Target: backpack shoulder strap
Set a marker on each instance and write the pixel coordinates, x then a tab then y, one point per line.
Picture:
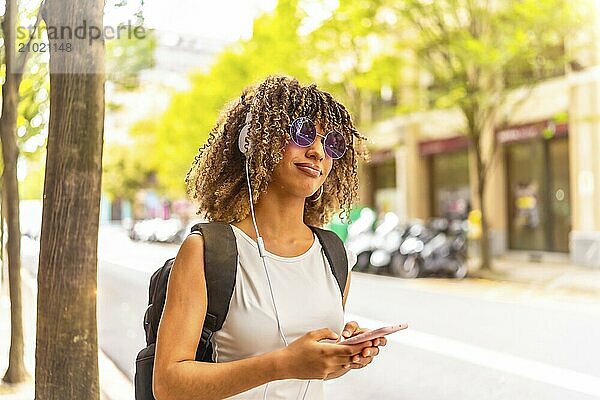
220	267
335	253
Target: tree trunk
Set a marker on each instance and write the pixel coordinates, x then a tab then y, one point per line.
67	345
484	244
481	133
2	202
8	134
486	148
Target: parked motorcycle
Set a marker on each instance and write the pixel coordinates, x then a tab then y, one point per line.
386	240
438	248
359	239
410	238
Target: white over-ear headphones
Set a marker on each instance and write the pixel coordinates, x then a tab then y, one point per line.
245	149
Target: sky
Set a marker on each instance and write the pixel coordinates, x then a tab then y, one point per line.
222	20
225	21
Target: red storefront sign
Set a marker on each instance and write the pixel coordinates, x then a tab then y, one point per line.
523	132
517	133
446	145
380	156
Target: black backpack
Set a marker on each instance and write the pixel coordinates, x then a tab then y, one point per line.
220	261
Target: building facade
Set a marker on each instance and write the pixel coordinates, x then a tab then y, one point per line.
543	187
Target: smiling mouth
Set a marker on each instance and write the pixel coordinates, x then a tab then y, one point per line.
309	171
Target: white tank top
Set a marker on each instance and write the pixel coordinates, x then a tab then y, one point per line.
307	296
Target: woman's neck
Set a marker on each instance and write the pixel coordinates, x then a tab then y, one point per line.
278	218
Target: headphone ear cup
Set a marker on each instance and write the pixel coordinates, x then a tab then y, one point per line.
244	134
242	140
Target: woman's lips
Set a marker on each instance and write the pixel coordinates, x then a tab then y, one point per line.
308	171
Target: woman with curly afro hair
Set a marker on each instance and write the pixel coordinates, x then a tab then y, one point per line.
281	159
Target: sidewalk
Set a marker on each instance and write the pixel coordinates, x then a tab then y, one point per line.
114	384
554	275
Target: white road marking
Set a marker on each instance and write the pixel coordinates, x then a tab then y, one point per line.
535	370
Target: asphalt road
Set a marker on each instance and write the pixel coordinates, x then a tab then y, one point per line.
466	340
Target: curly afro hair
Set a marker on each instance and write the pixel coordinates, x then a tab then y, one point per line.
217	177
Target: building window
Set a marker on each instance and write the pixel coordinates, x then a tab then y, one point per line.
384	191
539	212
384	174
450	189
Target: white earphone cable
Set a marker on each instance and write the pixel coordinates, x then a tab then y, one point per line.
261	251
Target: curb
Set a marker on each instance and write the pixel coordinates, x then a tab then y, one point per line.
114	384
564	278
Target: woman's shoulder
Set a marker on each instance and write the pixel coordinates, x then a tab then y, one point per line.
191	252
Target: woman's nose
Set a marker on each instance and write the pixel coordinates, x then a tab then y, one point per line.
316	149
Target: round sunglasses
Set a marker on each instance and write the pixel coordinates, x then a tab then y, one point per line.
304	132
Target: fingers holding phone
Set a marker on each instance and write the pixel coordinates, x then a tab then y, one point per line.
309	357
376	337
371	335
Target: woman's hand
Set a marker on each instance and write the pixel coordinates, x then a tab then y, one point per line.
366	357
308	358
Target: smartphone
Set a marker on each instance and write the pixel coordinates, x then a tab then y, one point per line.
369	335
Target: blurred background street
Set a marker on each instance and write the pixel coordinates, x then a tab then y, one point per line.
468	339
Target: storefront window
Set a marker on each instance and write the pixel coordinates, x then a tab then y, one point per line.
559	194
451	192
538	195
385	191
385	174
526	205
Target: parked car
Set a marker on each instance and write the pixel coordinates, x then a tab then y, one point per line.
156	230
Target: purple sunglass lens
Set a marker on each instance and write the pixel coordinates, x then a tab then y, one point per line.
335	145
303	132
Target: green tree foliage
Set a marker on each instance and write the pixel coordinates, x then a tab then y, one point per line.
33	109
475	51
355	54
127	168
32	187
123	172
33	105
339	55
127	55
275	47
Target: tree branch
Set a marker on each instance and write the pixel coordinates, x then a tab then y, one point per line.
22	57
503	95
436	42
